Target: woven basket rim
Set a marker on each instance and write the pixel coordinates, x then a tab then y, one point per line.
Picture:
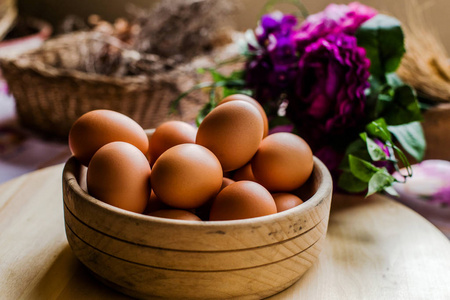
27	61
50	71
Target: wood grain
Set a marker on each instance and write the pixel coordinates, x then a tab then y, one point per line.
246	283
194	260
239	235
435	126
151	257
375	249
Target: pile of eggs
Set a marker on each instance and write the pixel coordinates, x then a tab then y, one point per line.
227	169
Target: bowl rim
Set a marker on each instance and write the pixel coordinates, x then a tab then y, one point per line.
73	168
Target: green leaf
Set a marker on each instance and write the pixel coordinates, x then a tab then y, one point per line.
227	91
383	103
404	161
404	108
350	183
393	80
269	6
411	138
379	129
217	76
362	169
279	121
201	70
176	102
375	151
383	39
207	108
237	75
379	182
203	112
391	191
356	148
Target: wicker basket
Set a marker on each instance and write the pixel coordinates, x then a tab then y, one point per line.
51	92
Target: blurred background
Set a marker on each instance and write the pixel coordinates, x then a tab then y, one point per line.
435	12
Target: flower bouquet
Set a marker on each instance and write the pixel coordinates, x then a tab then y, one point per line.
331	80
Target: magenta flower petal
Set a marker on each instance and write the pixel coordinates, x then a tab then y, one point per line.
330	87
430	182
333	19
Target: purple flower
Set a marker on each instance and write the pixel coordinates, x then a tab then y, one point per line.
281	128
331	158
383	147
442	196
324	81
275	23
273	67
333	19
267	80
281	50
330	88
430	182
386	164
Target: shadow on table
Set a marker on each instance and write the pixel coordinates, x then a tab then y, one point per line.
68	279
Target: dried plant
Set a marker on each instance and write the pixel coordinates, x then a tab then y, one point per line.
170	34
184	28
425	65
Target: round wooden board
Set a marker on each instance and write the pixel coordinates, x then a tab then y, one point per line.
376	248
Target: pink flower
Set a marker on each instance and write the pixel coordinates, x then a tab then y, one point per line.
330	90
331	158
335	18
441	196
386	164
429	182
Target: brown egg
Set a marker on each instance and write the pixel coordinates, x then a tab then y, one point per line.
233	132
154	204
203	211
284	162
176	214
242	200
244	173
226	182
186	176
170	134
119	174
100	127
285	201
253	102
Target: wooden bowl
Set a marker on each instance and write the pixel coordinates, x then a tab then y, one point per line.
150	257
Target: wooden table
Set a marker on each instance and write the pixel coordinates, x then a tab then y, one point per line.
375	249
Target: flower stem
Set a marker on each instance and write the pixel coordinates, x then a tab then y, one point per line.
297	3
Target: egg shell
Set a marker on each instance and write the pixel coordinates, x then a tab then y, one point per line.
242	200
170	134
97	128
203	211
285	201
119	174
226	182
176	214
254	103
283	162
154	204
244	173
186	176
233	132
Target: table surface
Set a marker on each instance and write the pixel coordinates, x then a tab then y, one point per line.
376	248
